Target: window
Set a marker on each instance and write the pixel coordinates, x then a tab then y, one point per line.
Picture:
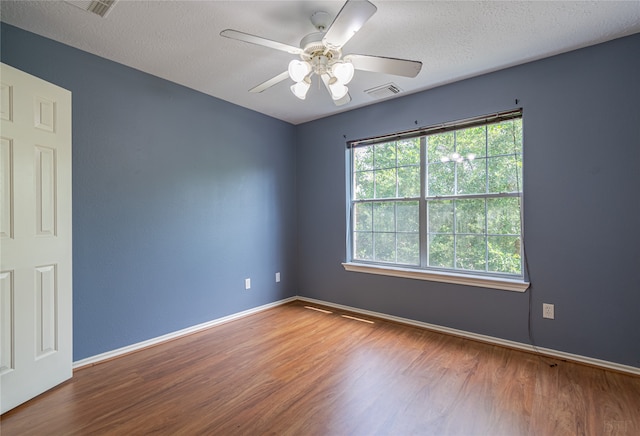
443	200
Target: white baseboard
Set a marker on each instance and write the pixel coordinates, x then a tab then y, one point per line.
174	335
447	330
484	338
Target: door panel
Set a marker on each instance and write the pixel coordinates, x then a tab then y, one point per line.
35	237
6	320
45	166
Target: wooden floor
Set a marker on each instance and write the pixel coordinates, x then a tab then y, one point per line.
292	370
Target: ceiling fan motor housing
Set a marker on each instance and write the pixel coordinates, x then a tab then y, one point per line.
315	52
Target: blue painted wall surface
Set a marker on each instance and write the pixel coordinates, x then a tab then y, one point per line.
582	204
177	198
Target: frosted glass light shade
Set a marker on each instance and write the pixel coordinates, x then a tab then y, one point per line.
338	90
343	71
301	88
298	70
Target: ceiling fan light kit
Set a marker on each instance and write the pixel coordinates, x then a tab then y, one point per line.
321	54
343	71
301	88
337	89
298	70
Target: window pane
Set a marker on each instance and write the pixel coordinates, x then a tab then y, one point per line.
503	216
470	216
363	246
472	177
409	181
409	152
384	217
441	251
465	228
440	147
504	174
470	252
408	216
440	216
517	128
441	179
385	155
384	247
363	185
363	217
504	254
363	158
386	183
409	248
471	141
501	139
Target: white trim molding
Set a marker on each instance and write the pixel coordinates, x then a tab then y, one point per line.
501	283
484	338
175	335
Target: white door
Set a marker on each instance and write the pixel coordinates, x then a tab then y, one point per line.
35	237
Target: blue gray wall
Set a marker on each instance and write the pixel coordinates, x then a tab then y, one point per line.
581	204
177	198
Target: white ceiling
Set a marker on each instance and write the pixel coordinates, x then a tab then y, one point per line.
179	41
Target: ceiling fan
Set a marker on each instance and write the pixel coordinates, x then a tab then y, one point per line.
321	54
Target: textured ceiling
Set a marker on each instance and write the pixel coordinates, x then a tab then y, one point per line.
180	41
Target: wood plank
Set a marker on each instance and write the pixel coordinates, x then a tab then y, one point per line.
291	370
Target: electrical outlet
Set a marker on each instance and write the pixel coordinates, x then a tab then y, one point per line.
277	277
547	311
247	283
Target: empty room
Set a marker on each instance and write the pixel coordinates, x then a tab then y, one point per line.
313	217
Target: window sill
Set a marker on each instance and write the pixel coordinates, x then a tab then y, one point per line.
444	277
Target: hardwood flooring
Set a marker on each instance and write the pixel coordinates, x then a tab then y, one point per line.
293	370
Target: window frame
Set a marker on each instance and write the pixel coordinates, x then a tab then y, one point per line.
422	271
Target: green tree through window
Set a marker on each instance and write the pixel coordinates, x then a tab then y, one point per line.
446	198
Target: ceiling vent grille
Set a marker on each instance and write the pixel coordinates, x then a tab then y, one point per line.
388	90
98	7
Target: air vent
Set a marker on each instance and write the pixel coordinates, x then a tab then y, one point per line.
98	7
388	90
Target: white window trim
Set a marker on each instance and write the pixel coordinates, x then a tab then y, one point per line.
500	283
424	272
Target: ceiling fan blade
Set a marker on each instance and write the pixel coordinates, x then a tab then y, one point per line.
379	64
344	100
246	37
349	20
269	83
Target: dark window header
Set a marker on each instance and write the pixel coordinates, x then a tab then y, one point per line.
439	128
